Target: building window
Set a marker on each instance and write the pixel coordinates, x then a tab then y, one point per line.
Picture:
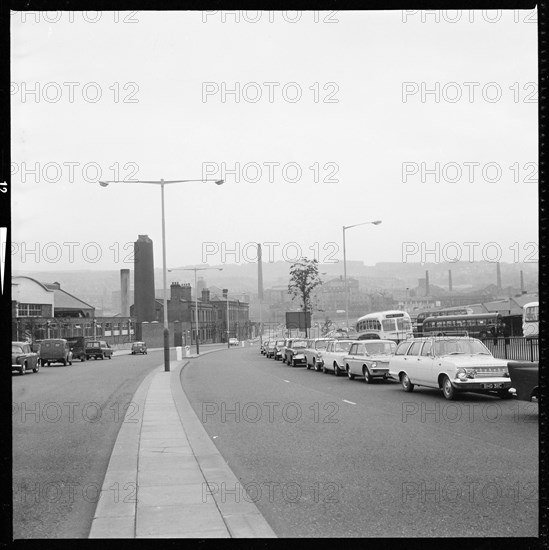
29	310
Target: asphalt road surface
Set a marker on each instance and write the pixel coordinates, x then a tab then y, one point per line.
330	457
65	423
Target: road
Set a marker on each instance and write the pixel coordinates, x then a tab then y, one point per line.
329	457
62	449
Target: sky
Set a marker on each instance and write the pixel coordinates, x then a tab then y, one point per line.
334	119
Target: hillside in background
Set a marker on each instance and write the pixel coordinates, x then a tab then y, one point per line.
97	287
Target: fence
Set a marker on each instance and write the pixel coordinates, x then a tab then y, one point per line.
516	348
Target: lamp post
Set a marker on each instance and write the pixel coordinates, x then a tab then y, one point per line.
195	269
345	227
162	183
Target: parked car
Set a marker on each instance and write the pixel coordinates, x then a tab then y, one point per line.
294	352
263	346
369	336
233	342
139	347
333	357
270	351
279	348
98	349
23	358
525	379
452	364
369	358
282	348
55	350
313	352
78	347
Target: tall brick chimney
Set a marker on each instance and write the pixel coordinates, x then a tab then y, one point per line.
125	292
143	273
205	295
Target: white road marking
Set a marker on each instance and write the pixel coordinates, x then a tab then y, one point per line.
285	380
350	402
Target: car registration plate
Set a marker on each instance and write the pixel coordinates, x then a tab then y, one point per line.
492	386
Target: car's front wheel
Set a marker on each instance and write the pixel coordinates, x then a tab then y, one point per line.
350	375
37	367
406	383
336	370
23	369
368	378
447	389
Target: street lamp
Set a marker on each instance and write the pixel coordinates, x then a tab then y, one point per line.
345	227
195	269
162	183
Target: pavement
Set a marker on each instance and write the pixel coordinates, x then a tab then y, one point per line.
165	477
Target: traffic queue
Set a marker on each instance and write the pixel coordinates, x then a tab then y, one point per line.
452	364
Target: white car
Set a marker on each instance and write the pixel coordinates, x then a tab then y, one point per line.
333	357
314	350
233	342
459	364
370	359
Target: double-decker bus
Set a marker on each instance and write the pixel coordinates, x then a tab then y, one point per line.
388	325
437	313
530	320
475	325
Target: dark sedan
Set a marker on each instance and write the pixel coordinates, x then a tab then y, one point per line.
294	354
525	379
23	358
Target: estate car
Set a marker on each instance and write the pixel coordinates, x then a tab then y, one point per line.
454	365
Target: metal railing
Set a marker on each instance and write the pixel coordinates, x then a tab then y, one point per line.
516	348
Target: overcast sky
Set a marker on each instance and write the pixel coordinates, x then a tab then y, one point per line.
361	123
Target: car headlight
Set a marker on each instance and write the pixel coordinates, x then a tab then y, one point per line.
373	365
461	374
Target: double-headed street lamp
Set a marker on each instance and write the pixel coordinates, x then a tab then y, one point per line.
195	269
345	227
162	183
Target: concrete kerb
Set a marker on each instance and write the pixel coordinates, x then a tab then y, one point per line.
114	515
118	516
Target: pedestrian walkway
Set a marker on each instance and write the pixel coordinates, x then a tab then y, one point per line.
164	474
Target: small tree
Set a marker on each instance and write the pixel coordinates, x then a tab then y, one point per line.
304	278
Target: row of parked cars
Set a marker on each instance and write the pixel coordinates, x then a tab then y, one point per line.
451	364
30	357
